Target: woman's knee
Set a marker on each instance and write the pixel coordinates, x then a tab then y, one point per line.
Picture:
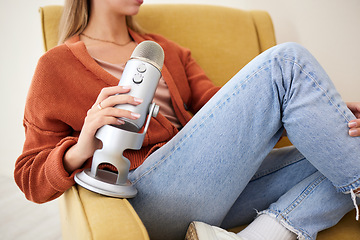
292	51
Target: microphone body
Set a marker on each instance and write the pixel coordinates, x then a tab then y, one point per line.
142	72
143	78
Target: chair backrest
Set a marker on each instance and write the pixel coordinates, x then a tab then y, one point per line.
221	39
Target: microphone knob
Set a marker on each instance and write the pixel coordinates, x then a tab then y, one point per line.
138	78
141	68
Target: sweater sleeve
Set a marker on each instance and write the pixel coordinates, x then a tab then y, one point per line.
39	170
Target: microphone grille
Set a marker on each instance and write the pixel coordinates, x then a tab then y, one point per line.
151	52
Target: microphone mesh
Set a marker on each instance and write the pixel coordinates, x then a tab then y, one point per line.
151	51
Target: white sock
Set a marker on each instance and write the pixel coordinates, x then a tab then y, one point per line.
265	227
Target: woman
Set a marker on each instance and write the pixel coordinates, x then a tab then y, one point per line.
220	166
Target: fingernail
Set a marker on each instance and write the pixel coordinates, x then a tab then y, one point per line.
135	115
121	122
138	100
352	124
353	132
126	87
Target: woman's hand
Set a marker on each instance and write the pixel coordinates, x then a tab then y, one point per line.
354	125
101	113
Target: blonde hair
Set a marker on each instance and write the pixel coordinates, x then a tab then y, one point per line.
75	17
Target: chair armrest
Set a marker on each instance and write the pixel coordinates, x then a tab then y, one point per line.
87	215
264	28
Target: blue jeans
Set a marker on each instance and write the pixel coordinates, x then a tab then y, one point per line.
221	169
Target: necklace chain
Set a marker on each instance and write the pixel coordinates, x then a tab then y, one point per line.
107	41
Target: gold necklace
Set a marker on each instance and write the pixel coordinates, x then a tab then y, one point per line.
107	41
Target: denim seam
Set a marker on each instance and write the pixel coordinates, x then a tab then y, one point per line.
304	195
276	168
196	126
351	186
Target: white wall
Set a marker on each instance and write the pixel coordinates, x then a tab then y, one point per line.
328	28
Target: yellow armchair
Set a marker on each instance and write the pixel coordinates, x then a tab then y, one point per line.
222	40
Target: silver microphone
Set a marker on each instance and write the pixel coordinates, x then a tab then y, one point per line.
142	72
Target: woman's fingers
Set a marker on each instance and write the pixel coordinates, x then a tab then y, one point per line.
119	113
354	108
103	113
109	91
119	99
106	109
354	126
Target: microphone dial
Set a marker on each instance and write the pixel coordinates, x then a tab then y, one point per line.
138	78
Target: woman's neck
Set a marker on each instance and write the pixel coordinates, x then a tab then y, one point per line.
107	36
109	29
106	23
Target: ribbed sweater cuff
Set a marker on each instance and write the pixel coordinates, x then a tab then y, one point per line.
55	172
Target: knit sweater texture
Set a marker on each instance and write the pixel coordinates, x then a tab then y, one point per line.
65	85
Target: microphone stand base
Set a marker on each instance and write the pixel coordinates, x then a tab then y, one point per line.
105	183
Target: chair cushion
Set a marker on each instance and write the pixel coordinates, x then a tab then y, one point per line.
219	49
88	215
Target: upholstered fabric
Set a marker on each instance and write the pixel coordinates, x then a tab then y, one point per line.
87	215
50	18
222	40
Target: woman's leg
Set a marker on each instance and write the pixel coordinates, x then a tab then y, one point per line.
284	194
285	167
280	171
201	172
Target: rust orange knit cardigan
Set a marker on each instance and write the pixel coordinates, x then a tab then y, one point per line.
66	84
